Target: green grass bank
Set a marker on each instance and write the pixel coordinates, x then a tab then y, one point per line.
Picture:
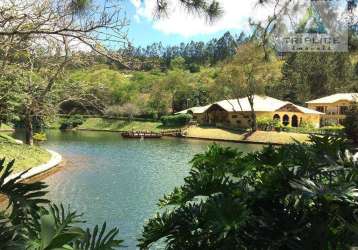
264	137
103	124
198	132
5	127
25	156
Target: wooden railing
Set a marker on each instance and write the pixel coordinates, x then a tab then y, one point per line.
172	132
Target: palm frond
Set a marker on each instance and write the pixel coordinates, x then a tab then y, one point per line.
55	229
99	239
24	199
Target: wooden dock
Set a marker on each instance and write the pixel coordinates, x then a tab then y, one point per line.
140	134
172	132
150	134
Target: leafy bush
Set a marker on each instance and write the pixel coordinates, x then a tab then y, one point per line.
307	125
128	110
305	128
31	222
330	123
72	122
332	130
308	128
351	123
267	124
114	111
176	120
40	137
194	68
298	196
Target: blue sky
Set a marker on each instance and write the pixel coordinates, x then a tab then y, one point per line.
179	26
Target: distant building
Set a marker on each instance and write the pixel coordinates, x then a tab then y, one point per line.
237	113
334	106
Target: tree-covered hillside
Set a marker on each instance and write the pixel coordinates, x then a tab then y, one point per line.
299	77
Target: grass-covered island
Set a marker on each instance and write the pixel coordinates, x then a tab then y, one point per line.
25	156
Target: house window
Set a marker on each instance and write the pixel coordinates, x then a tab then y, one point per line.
277	117
343	110
320	109
294	121
286	120
234	116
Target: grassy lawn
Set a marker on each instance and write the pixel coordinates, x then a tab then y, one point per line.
6	138
5	127
258	136
25	156
121	125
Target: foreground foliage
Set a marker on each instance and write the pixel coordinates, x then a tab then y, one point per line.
30	221
25	156
298	196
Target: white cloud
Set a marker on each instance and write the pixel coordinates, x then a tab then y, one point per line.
136	3
236	16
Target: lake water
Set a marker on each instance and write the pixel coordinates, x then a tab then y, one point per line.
120	180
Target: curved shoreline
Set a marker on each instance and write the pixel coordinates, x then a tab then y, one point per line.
55	160
7	130
193	137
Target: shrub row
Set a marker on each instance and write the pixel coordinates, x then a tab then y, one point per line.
267	124
72	122
176	120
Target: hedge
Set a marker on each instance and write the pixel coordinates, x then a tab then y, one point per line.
72	122
176	120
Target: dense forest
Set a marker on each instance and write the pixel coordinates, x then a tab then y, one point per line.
175	78
156	80
192	74
194	53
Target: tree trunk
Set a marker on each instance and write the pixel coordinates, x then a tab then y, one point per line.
253	114
173	105
29	132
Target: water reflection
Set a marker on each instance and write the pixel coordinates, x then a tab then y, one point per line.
120	180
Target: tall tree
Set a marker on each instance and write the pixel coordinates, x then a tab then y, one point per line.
225	47
247	74
178	84
38	38
9	98
309	76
